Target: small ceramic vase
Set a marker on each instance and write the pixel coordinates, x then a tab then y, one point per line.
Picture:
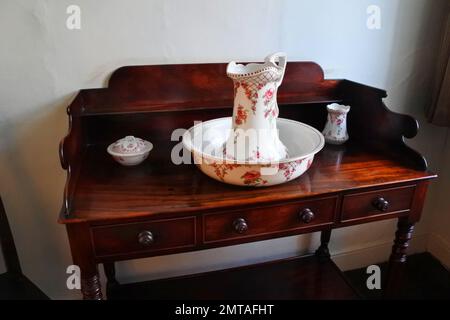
335	131
254	135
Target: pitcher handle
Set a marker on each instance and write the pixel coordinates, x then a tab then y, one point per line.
282	61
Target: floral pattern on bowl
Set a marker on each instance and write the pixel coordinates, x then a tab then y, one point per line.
207	156
255	175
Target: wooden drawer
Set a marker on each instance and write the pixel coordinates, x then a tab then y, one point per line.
374	203
158	235
268	220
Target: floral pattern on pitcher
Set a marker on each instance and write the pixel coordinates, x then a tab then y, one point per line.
335	131
270	112
251	92
269	104
255	106
241	115
268	96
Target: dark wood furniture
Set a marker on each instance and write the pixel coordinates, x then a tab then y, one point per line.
425	278
296	278
13	284
115	213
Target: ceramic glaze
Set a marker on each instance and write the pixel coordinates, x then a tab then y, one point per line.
130	151
254	148
206	139
254	134
335	131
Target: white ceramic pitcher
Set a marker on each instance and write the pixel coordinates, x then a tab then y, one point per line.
254	135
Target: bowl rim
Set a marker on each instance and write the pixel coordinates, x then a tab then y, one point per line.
116	154
187	143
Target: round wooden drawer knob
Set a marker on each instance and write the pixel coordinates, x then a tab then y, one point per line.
306	215
146	238
240	225
381	204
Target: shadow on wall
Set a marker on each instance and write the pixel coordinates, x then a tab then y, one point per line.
214	259
413	60
32	187
417	30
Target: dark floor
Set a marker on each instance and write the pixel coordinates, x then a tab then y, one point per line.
425	278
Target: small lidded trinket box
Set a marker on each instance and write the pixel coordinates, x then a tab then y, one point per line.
130	151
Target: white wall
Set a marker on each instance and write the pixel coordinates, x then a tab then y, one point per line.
43	64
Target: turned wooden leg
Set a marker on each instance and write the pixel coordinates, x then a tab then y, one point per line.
91	287
84	257
397	261
110	272
323	252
